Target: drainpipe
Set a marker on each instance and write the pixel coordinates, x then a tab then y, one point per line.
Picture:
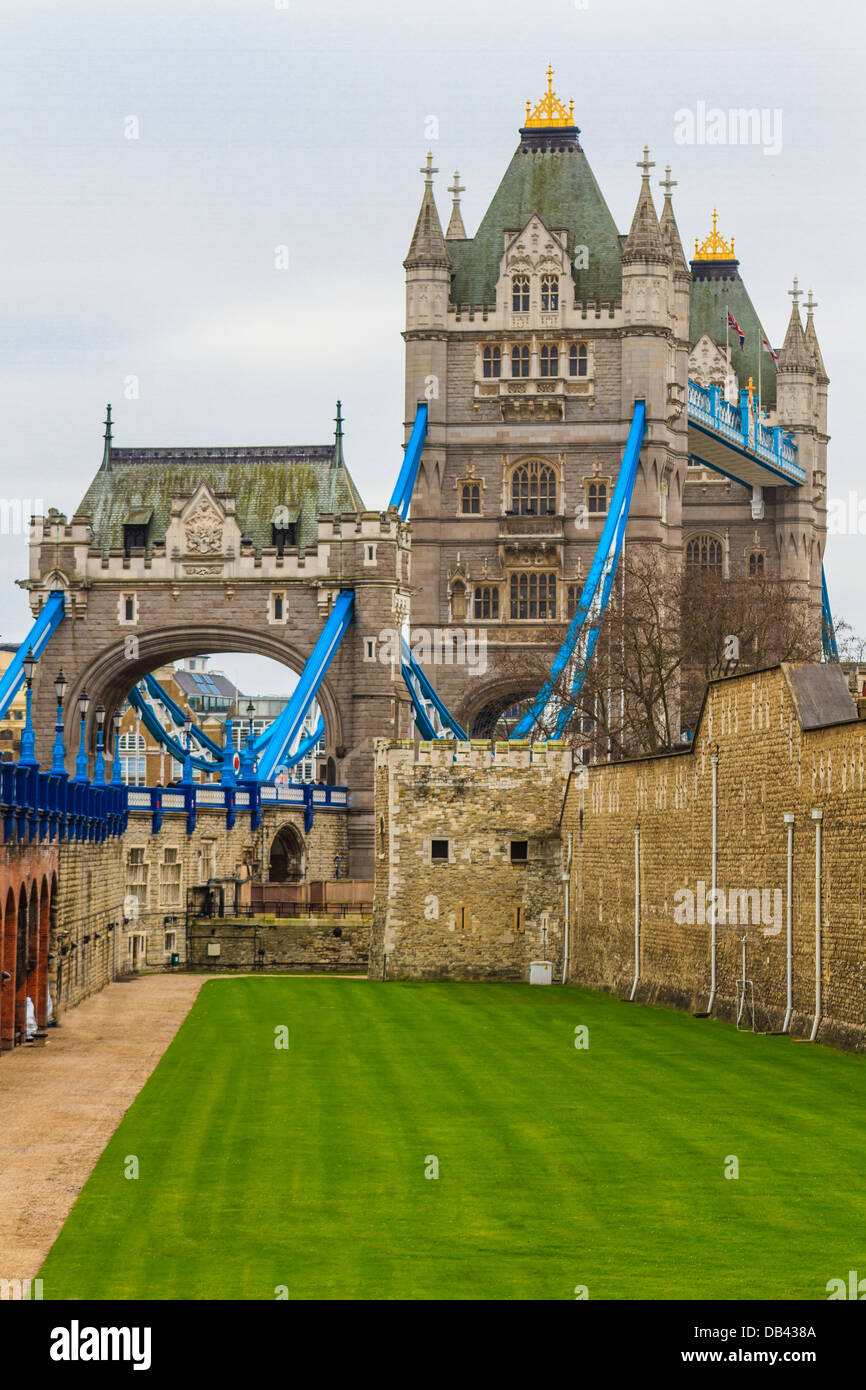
714	763
566	879
636	911
818	817
789	967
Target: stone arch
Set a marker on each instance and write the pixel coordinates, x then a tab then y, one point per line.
533	481
40	993
111	674
8	931
486	710
286	859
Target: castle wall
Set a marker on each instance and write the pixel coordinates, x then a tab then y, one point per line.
478	914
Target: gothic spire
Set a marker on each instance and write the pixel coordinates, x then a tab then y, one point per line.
456	230
812	338
795	354
428	249
106	452
644	241
668	226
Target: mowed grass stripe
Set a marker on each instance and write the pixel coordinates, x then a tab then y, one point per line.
305	1168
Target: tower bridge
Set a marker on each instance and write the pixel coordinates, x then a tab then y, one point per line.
579	386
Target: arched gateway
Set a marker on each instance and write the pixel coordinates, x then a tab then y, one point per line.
178	552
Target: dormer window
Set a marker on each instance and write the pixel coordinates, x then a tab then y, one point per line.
135	529
284	531
549	293
492	361
520	294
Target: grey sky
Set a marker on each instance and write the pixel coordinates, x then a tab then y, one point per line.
303	126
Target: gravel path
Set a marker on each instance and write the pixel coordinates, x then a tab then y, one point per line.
61	1103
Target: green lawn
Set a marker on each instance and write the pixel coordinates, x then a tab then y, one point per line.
558	1167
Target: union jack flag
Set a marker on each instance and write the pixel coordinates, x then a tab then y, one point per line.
732	323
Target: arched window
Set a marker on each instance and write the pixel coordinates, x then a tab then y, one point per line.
549	293
704	555
596	497
470	499
520	294
487	602
533	597
549	361
520	360
533	490
577	359
492	361
132	767
572	597
756	564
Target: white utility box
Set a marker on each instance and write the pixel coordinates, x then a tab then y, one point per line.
540	972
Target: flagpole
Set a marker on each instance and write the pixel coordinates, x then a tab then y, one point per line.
727	349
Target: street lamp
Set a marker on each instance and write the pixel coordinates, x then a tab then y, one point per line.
116	721
187	762
248	761
28	742
81	760
58	758
164	711
99	769
137	747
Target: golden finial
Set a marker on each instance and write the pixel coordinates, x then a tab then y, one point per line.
751	390
714	247
550	111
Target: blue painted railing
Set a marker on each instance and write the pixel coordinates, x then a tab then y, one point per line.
38	805
739	424
252	797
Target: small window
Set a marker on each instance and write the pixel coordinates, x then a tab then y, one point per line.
492	361
518	918
520	294
278	608
470	499
486	602
461	916
597	497
170	941
756	564
129	608
370	649
371	555
577	359
283	535
550	361
440	850
520	360
134	538
549	293
519	851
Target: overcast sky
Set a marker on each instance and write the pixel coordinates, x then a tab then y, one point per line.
262	124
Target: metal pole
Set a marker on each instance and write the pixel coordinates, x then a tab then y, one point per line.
714	762
818	817
789	966
636	910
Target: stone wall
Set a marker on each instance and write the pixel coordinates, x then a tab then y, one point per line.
769	765
313	943
479	913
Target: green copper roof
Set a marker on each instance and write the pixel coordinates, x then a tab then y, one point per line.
716	288
559	186
261	479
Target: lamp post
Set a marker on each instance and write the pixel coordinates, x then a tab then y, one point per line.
187	761
248	761
28	742
164	712
99	768
337	862
81	760
137	747
116	720
58	755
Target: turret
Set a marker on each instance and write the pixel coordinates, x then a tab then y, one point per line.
428	277
646	279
